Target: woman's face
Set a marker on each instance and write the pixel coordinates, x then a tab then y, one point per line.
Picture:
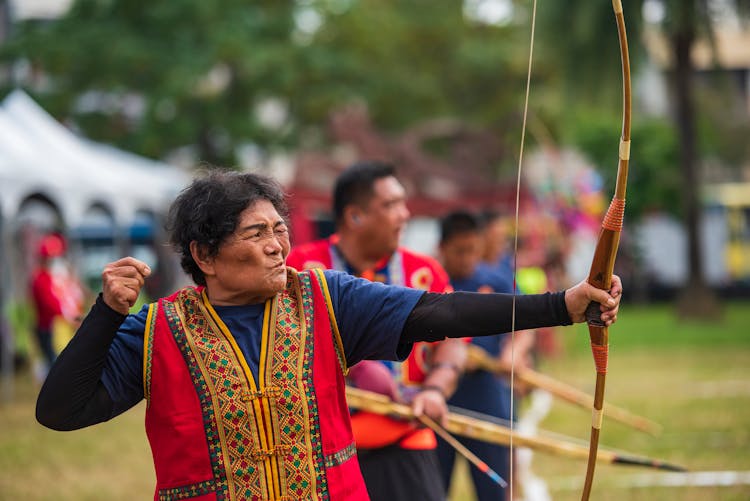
250	266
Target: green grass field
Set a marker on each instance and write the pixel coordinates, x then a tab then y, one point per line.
691	378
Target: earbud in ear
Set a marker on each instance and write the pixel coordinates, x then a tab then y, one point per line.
355	219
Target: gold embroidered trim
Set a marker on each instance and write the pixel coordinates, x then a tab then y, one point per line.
148	344
338	344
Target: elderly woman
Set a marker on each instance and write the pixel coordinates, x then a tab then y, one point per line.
244	374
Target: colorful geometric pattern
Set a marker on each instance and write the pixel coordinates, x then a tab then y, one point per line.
296	410
187	491
341	456
306	293
209	361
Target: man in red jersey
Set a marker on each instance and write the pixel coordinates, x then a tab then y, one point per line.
397	459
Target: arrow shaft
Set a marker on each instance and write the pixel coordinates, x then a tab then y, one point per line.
464	451
480	429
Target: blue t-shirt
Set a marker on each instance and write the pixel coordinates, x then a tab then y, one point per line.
485	279
370	317
480	390
502	266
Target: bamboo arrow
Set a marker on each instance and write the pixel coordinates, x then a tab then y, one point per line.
463	450
485	361
494	433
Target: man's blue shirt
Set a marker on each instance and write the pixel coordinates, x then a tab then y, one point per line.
480	390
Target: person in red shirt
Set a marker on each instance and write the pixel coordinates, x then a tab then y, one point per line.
44	294
397	459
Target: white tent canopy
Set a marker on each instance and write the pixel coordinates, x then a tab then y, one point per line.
23	173
40	155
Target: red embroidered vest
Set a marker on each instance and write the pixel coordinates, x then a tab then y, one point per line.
216	434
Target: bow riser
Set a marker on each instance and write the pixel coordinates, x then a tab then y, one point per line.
600	275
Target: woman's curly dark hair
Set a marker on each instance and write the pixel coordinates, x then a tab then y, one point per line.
207	212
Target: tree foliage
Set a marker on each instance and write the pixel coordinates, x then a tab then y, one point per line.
682	24
171	73
578	39
152	77
654	169
586	87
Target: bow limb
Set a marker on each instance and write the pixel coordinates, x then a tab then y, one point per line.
604	256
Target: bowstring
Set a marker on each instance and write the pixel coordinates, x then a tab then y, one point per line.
515	244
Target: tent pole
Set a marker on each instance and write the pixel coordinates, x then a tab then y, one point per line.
6	336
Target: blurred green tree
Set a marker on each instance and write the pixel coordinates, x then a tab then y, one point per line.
158	76
214	75
654	173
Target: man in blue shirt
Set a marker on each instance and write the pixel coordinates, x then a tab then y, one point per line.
461	247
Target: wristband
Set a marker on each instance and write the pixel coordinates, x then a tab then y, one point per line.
447	365
433	387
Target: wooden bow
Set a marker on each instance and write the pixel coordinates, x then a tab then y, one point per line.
484	361
603	262
490	432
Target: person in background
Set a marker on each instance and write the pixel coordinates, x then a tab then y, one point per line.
460	249
398	460
529	276
497	244
243	374
45	294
